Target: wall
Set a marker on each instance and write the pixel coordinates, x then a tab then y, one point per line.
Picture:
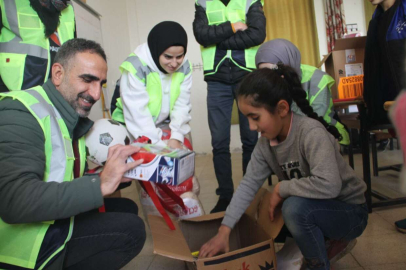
354	13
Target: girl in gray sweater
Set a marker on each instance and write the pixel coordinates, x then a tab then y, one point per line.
320	195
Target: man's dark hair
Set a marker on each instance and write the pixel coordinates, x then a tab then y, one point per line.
78	45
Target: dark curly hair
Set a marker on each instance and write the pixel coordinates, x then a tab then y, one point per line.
267	87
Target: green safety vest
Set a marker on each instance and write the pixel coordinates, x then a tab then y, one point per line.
20	243
140	70
22	35
218	13
317	85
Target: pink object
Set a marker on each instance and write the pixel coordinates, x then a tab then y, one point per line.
398	115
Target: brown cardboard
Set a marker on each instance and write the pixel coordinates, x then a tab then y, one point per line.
336	60
251	240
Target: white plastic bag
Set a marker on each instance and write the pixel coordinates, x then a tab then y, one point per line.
289	257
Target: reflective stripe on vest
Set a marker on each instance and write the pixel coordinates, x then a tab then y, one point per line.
317	85
21	243
151	79
23	35
218	13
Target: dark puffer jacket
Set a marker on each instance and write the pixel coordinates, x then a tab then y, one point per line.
225	38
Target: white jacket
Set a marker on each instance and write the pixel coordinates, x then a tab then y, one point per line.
135	101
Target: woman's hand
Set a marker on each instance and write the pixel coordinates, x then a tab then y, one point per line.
218	244
174	144
275	200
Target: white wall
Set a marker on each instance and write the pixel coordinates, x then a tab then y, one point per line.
321	27
355	13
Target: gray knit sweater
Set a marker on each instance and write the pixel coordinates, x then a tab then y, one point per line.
311	160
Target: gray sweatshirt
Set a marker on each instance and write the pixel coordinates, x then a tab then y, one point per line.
310	159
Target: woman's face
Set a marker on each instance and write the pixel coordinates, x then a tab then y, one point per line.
171	59
267	65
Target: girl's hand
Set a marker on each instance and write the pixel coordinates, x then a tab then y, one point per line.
174	144
275	200
219	243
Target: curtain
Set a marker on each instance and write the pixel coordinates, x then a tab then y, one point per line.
294	20
369	11
335	22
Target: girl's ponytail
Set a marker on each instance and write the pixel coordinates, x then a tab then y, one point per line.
299	96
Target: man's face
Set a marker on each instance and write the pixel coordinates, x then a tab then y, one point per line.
80	83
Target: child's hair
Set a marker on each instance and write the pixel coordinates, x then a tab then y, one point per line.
267	87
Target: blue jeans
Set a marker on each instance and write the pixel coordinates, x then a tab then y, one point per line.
310	221
220	98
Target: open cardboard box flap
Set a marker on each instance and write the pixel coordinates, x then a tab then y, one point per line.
173	244
345	44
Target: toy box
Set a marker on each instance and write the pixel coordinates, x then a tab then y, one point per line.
162	165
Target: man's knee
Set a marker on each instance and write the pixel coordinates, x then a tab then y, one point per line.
136	235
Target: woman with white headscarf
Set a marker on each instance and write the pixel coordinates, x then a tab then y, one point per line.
315	82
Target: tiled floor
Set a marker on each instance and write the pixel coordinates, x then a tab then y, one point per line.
380	247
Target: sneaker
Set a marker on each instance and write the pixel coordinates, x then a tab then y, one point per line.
336	249
221	206
401	225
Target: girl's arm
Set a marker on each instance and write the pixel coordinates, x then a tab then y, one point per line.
180	114
320	151
137	117
257	171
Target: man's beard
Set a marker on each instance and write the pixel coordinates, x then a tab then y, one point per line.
66	92
82	111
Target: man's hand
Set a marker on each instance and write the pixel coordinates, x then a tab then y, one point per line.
174	144
275	200
116	166
219	243
239	26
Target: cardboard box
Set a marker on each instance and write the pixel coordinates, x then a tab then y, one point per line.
251	241
347	59
162	165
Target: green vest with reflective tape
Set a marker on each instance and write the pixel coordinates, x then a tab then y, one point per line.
218	13
151	79
20	243
23	35
317	85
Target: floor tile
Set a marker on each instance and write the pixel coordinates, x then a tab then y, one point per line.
164	263
380	249
140	263
392	214
378	226
347	262
397	266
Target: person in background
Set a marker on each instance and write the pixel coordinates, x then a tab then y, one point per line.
320	194
315	82
49	216
229	32
384	66
155	86
31	32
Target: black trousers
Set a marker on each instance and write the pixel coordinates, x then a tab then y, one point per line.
106	240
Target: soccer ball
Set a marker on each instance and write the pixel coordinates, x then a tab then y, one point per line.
104	134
